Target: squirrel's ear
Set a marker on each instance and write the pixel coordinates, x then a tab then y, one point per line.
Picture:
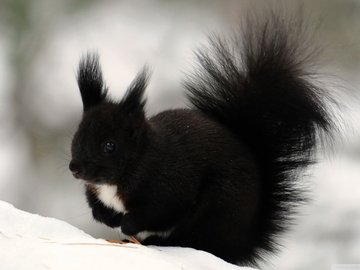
90	81
134	101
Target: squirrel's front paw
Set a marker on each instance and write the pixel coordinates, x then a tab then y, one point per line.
128	225
107	216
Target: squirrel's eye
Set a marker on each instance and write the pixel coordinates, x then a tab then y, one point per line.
109	147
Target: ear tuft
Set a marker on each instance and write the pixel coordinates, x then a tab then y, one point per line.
90	81
134	96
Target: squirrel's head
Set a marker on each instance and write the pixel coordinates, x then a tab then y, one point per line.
112	135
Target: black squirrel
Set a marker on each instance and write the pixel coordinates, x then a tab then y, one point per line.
220	176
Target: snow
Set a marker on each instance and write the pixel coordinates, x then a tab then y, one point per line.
29	241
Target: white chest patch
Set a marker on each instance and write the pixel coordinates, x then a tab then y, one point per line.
107	194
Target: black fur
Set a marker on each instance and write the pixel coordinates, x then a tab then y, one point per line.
220	177
90	81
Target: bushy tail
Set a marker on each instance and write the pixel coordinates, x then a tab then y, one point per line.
257	85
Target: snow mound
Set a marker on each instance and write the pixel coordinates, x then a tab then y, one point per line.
29	241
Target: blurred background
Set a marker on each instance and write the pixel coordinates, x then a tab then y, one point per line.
40	44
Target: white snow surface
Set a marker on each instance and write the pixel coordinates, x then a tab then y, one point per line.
29	241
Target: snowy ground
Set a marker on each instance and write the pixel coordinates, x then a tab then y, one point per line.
29	241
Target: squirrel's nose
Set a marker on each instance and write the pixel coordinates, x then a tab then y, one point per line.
75	169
